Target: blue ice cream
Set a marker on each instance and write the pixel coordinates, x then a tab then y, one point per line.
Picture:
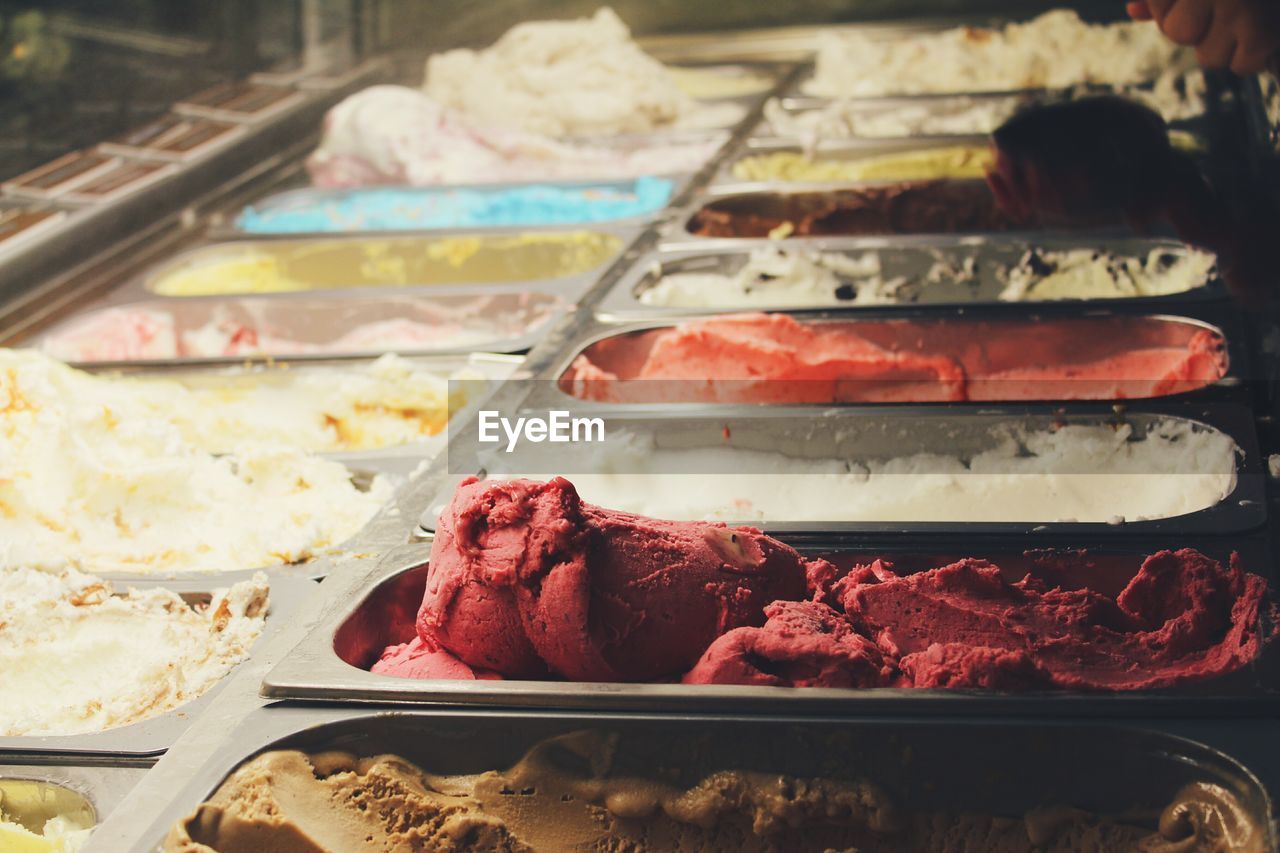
415	209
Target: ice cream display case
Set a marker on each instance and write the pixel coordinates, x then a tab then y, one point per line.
893	481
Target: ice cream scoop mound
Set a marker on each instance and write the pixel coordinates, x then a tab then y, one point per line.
527	578
802	644
1184	617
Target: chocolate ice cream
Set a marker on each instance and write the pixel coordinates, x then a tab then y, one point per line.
929	207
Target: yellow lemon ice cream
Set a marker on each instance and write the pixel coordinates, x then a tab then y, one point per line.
39	817
954	161
291	265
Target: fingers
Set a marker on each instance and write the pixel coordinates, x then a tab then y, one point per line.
1257	39
1218	48
1158	9
1138	10
1188	22
1250	60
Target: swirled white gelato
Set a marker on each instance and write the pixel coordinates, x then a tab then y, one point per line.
583	77
1056	50
77	657
397	135
94	479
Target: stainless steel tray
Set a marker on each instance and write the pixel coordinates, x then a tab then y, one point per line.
781	200
772	73
1024	338
511	320
878	434
911	262
925	764
225	227
153	736
765	135
103	785
378	611
841	151
338	258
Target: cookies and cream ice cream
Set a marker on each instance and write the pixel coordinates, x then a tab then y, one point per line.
923	164
584	77
1057	50
97	481
397	135
526	580
1093	274
40	817
773	277
595	790
77	656
777	277
1080	473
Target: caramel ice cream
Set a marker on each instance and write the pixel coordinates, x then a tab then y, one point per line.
570	793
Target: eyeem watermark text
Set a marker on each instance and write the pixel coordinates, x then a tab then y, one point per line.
558	428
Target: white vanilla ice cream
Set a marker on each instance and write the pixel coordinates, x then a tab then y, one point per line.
584	77
77	657
1075	473
94	479
387	403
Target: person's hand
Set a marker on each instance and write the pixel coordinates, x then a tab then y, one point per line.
1243	35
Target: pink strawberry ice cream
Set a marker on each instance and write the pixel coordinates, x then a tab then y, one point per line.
526	580
774	358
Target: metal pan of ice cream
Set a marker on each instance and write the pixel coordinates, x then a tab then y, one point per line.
843	273
1081	471
57	802
149	734
907	209
941	119
222	330
910	356
375	615
457	209
854	162
912	768
729	80
556	260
